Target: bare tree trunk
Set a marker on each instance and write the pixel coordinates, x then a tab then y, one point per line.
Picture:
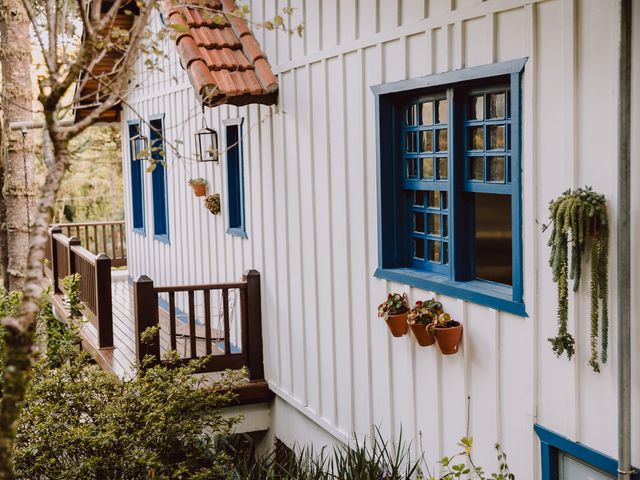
15	58
19	331
4	254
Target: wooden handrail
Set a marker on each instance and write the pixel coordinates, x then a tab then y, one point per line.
146	301
90	224
100	237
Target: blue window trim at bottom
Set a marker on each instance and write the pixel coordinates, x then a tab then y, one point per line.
482	292
164	238
551	444
237	232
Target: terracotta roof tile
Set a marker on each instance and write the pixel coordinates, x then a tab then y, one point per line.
224	61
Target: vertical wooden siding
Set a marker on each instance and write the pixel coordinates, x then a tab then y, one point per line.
311	220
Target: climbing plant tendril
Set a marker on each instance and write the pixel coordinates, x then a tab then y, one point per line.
580	224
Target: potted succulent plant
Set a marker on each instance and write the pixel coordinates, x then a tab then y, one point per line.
419	319
395	310
199	186
448	333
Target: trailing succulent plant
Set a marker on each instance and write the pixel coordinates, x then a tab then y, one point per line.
580	226
424	312
212	203
395	304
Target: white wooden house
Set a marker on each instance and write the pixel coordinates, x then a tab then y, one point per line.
309	175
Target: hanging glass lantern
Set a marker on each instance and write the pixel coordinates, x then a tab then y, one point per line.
140	147
206	144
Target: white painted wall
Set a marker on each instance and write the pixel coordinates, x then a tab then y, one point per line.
310	187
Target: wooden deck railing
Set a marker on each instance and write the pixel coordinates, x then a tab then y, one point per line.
68	256
100	237
146	299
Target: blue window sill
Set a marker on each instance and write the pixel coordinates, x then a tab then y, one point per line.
489	294
162	238
139	231
237	232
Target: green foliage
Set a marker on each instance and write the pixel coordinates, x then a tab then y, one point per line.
81	422
61	341
212	203
424	312
197	181
73	296
580	223
395	304
375	458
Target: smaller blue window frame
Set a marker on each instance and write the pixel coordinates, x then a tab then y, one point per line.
235	177
552	444
392	246
159	179
137	183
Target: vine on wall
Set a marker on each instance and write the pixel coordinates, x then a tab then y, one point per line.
580	225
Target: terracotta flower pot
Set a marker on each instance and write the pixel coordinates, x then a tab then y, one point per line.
199	190
398	324
423	337
448	338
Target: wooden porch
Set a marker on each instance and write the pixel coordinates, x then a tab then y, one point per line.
219	323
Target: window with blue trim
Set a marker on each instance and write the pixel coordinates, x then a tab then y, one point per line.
158	180
449	184
137	186
235	178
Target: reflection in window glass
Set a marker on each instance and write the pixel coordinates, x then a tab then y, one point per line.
493	237
426	116
427	168
476	108
433	248
410	142
418	248
495	136
476	168
495	169
434	199
496	103
442	112
475	140
441	141
443	169
426	141
410	117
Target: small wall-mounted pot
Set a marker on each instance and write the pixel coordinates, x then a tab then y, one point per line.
398	324
448	338
422	334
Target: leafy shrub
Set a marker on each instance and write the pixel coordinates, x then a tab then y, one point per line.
81	422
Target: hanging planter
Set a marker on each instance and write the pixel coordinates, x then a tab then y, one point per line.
580	226
212	203
448	333
420	318
395	310
199	186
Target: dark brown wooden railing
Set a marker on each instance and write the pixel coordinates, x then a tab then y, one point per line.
69	257
100	237
146	299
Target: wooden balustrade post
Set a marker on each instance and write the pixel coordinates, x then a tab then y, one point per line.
71	258
254	326
54	257
145	306
104	309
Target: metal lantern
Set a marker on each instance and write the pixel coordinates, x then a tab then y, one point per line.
140	147
206	145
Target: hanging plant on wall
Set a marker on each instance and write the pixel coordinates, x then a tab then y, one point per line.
580	226
212	203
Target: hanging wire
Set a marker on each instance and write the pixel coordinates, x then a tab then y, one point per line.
26	180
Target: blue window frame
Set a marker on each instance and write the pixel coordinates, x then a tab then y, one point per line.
561	458
235	177
159	179
137	184
449	187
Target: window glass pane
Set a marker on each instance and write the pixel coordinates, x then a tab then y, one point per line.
418	248
426	141
412	167
418	198
475	140
495	137
441	141
443	173
418	222
433	221
496	105
410	115
476	108
443	196
426	115
410	142
495	169
476	168
433	248
493	237
445	253
434	199
445	225
442	114
427	168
